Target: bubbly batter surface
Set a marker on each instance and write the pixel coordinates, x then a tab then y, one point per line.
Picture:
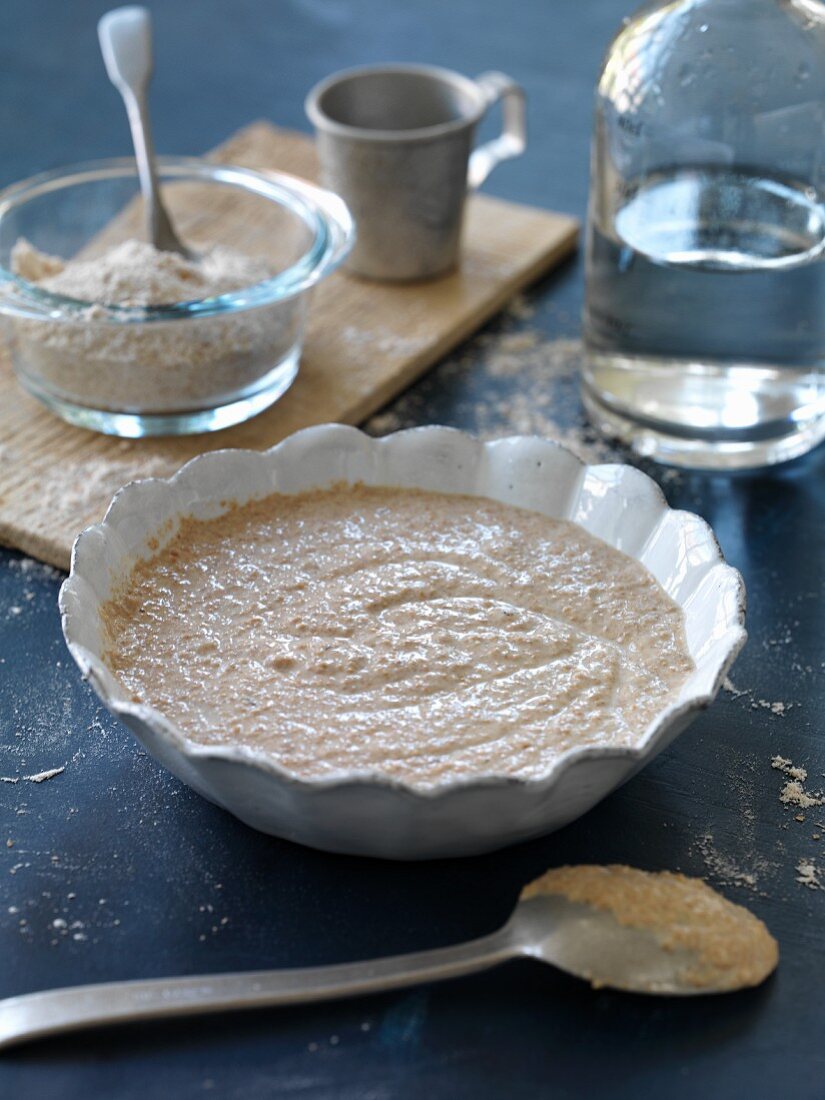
418	635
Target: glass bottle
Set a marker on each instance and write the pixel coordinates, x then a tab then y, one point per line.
704	320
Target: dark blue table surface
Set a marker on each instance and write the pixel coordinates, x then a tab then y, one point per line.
150	880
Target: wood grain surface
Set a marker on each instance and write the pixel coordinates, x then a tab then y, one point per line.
365	343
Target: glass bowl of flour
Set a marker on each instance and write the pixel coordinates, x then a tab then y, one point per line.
113	335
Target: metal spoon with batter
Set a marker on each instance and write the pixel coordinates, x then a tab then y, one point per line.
641	932
126	43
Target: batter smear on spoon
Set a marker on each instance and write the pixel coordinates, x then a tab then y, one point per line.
415	635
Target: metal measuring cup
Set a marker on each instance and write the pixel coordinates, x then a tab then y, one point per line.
396	143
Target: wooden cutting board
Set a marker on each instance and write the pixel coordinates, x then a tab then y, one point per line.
365	343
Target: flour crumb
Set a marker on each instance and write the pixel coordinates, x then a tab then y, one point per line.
793	793
807	874
778	708
41	777
787	768
723	868
731	688
38	777
775	708
534	382
520	309
32	569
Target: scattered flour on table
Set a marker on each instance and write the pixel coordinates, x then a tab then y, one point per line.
731	688
518	382
38	777
793	792
536	375
41	777
725	870
33	569
94	481
787	767
780	709
775	708
383	341
808	874
520	308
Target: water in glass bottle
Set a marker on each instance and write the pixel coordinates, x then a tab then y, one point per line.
705	306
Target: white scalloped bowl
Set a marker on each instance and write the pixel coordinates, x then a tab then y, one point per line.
375	816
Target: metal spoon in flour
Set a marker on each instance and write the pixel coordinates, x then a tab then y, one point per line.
126	42
641	932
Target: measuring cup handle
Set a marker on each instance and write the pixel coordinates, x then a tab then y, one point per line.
513	138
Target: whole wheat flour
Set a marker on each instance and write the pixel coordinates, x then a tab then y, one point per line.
143	365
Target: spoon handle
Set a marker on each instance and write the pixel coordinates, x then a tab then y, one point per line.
125	36
52	1012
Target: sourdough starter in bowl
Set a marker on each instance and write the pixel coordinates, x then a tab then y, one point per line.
412	635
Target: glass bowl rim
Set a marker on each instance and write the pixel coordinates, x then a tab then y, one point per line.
302	199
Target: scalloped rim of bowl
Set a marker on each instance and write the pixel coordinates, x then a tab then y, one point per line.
75	605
